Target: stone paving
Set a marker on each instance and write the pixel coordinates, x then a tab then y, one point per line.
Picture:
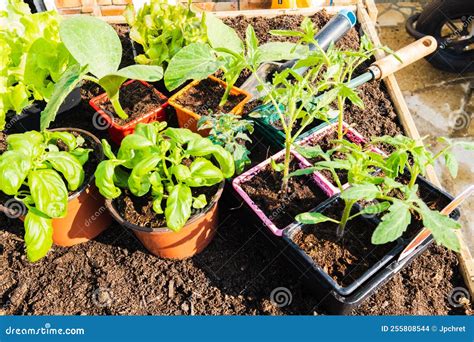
441	103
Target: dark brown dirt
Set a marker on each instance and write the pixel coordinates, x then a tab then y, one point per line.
114	274
137	100
139	210
123	32
204	98
265	189
345	259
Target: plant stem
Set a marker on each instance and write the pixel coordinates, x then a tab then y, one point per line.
345	217
286	169
340	106
118	107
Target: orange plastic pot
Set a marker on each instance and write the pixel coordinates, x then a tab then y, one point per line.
87	215
188	119
193	238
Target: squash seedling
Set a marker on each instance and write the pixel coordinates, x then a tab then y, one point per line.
32	170
225	51
396	200
230	131
166	164
96	47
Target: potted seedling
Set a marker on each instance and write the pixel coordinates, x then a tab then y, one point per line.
226	52
164	184
33	60
230	132
162	29
290	95
354	236
96	47
50	174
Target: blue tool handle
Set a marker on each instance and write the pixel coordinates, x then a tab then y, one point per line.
334	30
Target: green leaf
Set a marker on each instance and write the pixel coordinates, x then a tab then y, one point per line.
108	149
149	73
193	62
184	136
14	168
376	208
393	224
130	147
204	173
313	218
69	166
92	42
178	207
139	181
28	143
69	80
278	51
451	164
359	192
81	154
200	202
104	178
222	36
278	167
38	236
442	227
48	192
181	172
351	94
67	138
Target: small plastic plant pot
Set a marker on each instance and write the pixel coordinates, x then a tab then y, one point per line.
188	119
118	132
338	300
29	119
87	215
246	176
352	135
192	239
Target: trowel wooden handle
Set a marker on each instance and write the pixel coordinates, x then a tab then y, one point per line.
409	54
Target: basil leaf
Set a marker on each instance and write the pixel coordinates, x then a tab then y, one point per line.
14	168
104	178
69	166
204	173
38	236
139	182
48	192
178	207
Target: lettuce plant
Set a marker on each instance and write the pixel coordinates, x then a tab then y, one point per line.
375	178
162	29
225	51
33	170
97	49
164	164
33	57
229	131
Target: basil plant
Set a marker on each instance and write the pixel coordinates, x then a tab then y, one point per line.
36	172
164	163
97	48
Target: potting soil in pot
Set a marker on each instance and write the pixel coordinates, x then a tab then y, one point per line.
136	100
204	98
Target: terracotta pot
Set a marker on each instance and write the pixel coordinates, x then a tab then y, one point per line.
118	132
188	119
86	216
189	241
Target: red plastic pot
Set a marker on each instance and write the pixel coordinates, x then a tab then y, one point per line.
118	132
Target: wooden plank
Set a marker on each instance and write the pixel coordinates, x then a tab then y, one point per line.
466	260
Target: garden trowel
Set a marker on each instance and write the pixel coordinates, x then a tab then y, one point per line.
334	30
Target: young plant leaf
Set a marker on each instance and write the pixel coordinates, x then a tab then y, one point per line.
38	235
222	36
178	207
313	218
69	166
393	224
359	192
451	164
104	178
48	192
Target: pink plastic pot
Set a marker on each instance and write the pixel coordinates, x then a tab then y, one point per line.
245	177
351	134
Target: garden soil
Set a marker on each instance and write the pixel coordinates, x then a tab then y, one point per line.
235	275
